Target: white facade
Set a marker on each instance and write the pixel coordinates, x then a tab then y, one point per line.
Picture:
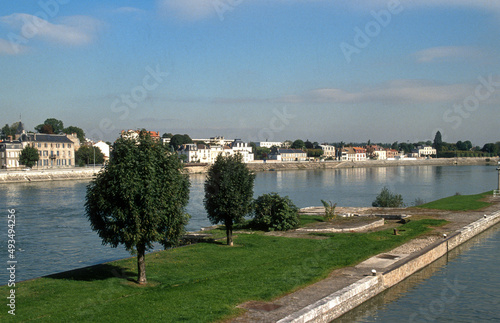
328	151
208	154
424	151
104	147
380	154
268	144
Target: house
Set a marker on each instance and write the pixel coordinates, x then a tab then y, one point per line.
54	150
9	153
288	155
201	153
426	151
391	153
134	134
352	154
376	152
329	151
268	144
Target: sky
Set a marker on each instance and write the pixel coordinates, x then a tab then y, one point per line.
318	70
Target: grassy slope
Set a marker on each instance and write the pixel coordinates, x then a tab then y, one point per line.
459	202
198	283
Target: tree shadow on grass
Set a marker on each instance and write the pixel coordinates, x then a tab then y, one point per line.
96	272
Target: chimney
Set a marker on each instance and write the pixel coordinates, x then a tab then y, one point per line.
10	138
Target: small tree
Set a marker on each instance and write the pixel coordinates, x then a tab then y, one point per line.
228	192
85	155
139	198
273	212
29	156
388	199
329	210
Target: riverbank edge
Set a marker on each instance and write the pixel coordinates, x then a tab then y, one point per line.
342	301
89	173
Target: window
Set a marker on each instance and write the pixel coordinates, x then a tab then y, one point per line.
45	145
63	145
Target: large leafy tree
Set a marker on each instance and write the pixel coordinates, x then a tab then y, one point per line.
29	156
228	192
298	144
79	132
139	198
50	125
177	140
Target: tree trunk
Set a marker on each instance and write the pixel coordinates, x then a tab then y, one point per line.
141	264
229	233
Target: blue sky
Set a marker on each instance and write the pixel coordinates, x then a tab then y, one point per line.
255	69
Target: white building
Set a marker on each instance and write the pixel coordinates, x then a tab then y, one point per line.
328	151
104	147
269	144
288	155
200	153
425	151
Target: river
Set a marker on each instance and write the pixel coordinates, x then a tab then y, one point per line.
460	287
53	234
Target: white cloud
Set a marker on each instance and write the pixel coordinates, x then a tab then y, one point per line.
75	30
189	9
129	10
399	91
443	53
9	48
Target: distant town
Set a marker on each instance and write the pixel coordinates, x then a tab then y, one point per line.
60	147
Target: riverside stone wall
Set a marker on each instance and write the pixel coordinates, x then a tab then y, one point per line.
47	175
342	301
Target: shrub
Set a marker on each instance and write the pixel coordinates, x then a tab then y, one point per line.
418	201
388	199
273	212
329	210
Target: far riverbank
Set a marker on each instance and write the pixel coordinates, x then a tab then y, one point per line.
77	173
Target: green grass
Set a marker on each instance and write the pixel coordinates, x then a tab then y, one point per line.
308	219
459	202
198	283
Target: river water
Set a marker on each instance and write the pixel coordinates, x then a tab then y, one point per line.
53	234
463	286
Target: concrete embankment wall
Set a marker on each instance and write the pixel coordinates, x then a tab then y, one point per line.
273	165
47	175
340	302
258	166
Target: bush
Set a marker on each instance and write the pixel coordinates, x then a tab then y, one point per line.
273	212
387	199
329	210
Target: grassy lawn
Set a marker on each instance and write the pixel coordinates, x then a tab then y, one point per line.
459	202
198	283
